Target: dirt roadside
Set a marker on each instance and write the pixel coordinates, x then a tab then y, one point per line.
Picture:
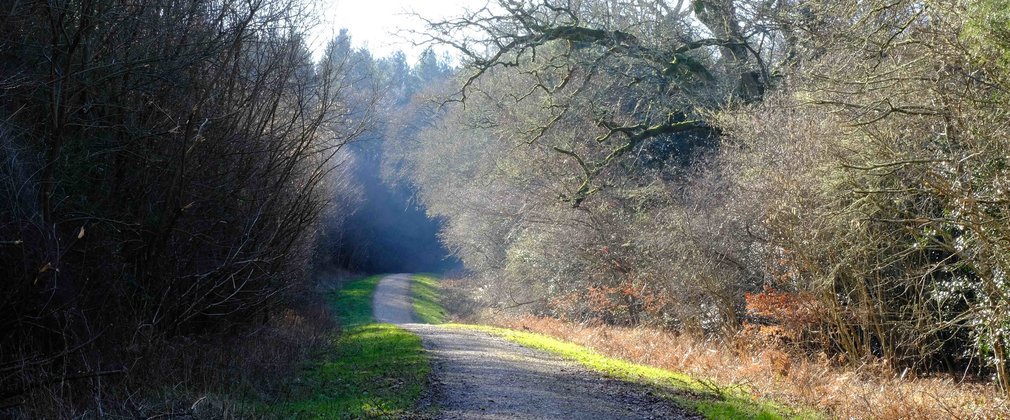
480	376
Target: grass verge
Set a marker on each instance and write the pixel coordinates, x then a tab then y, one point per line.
427	303
770	372
709	399
371	370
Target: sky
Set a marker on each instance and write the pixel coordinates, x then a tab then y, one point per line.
373	23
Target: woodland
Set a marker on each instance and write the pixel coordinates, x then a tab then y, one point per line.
179	177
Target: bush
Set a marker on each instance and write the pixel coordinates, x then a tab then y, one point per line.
165	165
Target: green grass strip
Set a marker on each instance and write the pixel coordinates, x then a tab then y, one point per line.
427	304
705	397
371	370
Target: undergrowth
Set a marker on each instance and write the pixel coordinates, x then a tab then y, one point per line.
766	370
768	373
707	398
229	374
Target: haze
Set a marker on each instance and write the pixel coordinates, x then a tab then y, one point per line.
381	25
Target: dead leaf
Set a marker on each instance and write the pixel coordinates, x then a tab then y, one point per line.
81	233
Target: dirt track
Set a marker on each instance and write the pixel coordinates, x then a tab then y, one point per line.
481	376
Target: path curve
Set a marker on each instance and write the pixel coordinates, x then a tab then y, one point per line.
477	375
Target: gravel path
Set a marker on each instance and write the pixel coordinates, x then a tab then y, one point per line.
481	376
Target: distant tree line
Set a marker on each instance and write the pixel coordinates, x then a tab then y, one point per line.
388	231
834	169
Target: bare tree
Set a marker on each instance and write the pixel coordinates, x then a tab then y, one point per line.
178	156
844	156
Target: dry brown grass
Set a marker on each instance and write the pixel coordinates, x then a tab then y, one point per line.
871	391
217	376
